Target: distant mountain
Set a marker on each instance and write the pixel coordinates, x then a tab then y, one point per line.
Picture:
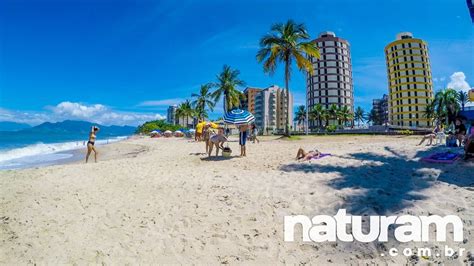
79	127
12	126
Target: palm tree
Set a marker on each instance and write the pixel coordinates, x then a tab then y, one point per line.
203	100
462	99
287	43
179	114
446	104
185	110
359	115
430	111
227	83
300	114
345	115
326	115
317	114
373	116
333	112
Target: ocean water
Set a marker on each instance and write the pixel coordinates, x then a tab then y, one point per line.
31	149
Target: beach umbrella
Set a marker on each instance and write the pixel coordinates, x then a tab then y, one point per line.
168	132
192	130
238	117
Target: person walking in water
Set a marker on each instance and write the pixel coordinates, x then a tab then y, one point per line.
91	143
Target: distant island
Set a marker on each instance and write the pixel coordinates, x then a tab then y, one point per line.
79	127
12	126
64	131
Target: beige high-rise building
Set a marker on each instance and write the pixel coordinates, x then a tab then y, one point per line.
271	110
410	84
331	82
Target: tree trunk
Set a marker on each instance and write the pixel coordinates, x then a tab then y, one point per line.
287	90
224	102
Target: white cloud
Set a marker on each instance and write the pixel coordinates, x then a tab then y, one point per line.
164	102
77	110
458	82
96	113
27	117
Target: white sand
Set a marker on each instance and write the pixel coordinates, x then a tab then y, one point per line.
158	201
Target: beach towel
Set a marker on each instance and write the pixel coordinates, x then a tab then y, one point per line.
321	156
442	157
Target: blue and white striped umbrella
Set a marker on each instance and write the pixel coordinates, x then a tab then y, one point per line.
238	117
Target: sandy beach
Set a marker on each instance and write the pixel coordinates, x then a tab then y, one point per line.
162	201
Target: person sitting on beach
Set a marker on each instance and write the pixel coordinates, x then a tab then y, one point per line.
469	138
91	142
217	141
460	131
431	136
306	156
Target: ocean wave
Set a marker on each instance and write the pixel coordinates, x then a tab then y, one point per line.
47	148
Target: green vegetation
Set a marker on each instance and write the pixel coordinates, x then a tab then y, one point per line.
406	132
445	106
342	114
300	114
359	115
203	100
287	43
331	128
226	86
374	117
148	127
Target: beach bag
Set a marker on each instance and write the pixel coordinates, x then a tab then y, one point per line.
226	152
451	142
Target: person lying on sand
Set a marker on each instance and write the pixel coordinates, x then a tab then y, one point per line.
217	141
306	156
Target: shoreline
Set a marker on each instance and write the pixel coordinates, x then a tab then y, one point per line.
162	201
66	156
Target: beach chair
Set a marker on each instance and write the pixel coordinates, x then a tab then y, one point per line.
440	136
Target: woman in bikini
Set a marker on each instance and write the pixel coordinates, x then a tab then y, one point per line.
91	142
306	156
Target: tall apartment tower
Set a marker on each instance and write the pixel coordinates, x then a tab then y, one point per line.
331	82
410	84
249	102
171	114
271	110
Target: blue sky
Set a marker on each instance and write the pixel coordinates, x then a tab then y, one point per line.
102	60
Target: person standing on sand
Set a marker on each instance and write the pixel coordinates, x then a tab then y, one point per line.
206	135
198	133
243	139
91	143
254	133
